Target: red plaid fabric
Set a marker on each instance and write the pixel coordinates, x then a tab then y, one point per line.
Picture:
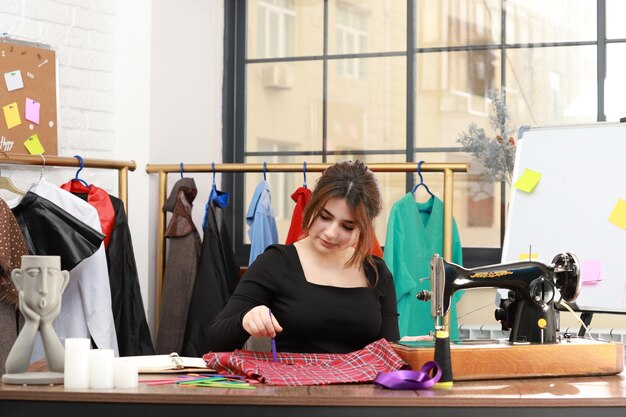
308	368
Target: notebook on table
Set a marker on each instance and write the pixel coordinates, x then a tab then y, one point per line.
165	364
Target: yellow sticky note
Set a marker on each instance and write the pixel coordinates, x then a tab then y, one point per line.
618	215
526	256
528	180
33	145
12	115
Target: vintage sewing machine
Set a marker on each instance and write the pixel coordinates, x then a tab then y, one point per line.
533	349
528	311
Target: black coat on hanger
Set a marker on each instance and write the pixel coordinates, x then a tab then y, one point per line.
133	334
50	230
216	279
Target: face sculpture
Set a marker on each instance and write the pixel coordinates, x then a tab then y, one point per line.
41	282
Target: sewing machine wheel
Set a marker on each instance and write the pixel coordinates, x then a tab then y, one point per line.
567	271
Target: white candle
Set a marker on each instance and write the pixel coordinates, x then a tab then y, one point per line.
125	373
101	368
76	374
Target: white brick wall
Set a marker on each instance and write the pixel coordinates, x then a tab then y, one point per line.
108	111
82	32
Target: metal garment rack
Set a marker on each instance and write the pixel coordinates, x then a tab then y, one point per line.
448	170
61	161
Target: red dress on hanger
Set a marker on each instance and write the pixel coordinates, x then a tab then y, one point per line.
99	199
301	197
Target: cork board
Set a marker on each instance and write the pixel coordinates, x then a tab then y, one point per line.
28	98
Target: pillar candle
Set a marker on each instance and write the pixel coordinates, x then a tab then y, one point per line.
125	374
101	368
76	374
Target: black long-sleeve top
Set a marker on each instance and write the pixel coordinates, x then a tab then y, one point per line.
315	318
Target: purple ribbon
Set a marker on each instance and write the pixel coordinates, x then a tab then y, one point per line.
409	380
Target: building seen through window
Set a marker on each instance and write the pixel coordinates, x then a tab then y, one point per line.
329	80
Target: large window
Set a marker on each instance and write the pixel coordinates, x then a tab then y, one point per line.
394	81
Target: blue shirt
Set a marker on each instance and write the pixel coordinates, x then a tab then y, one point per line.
260	218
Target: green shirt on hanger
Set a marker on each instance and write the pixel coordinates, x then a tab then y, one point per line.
414	234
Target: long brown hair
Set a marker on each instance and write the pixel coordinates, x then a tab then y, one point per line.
355	183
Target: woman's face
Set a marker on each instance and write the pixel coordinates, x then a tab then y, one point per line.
335	229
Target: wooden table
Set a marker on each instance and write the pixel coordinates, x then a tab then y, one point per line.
571	397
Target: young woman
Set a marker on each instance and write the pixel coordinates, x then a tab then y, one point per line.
325	293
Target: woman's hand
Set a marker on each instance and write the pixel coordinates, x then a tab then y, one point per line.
260	323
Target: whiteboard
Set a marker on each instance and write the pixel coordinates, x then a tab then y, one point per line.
583	170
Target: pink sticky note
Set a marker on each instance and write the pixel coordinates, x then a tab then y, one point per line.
591	271
32	110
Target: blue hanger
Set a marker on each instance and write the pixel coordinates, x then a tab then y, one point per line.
304	173
264	171
81	166
218	198
419	172
181	170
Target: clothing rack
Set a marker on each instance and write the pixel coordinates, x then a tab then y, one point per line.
61	161
448	170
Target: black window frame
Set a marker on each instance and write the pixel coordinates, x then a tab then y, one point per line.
234	98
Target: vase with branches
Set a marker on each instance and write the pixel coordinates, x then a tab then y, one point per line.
495	152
